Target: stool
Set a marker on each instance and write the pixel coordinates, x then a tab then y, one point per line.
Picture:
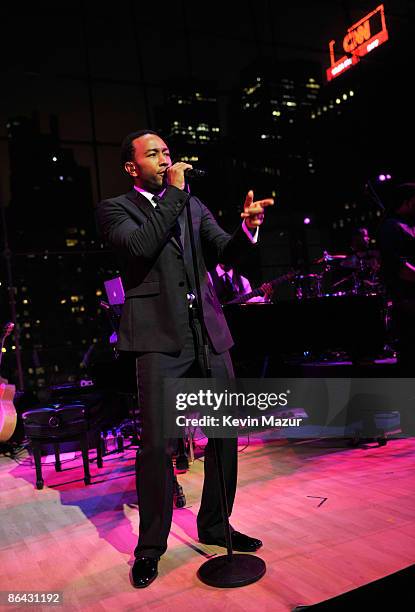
56	423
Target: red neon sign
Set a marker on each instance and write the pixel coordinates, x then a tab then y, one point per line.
361	38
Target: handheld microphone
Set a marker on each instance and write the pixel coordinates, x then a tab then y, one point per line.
193	173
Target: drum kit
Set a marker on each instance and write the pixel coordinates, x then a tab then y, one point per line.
341	274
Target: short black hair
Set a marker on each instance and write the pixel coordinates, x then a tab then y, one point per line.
127	147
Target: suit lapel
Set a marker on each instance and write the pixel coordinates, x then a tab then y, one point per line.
148	209
141	201
182	220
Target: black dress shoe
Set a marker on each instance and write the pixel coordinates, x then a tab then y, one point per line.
240	542
144	571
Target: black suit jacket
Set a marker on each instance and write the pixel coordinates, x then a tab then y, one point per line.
156	271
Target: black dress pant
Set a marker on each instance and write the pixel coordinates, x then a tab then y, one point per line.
154	469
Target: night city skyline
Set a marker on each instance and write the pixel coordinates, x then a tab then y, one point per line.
207	374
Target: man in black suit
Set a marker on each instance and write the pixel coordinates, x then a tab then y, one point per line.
160	324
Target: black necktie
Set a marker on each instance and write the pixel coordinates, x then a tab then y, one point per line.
176	231
228	288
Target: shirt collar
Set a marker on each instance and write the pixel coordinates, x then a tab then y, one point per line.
220	272
149	195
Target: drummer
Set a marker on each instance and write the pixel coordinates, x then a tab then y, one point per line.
363	261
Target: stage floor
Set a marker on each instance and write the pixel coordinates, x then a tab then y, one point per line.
332	518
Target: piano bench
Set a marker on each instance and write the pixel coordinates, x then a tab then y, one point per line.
63	422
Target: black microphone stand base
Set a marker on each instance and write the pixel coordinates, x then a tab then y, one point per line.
237	571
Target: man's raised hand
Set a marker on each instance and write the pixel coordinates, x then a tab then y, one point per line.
254	211
175	174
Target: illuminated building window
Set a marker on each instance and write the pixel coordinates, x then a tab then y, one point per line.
70	242
250	90
74	298
31	370
25	301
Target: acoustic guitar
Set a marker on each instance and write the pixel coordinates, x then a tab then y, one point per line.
8	414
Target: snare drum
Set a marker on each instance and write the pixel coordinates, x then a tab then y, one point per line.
308	286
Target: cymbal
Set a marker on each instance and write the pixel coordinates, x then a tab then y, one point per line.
327	257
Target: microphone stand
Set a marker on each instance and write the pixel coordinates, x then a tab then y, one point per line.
230	570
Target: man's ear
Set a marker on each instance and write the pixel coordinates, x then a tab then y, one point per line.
130	168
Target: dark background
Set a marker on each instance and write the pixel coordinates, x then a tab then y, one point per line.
238	88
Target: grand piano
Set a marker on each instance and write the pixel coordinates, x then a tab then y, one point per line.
353	323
